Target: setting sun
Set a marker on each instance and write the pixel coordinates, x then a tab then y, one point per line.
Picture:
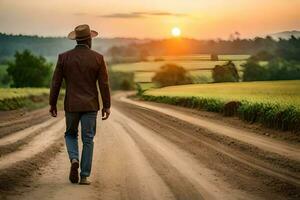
176	32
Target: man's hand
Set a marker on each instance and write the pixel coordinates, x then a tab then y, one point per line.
53	111
105	113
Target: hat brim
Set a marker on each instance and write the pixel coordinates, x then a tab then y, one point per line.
72	36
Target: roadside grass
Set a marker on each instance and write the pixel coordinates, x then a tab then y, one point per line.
276	104
29	98
147	86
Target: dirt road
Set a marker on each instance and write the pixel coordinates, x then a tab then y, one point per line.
152	151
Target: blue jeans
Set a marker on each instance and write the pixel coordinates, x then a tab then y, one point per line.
88	131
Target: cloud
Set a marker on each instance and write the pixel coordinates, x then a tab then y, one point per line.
141	14
162	14
122	15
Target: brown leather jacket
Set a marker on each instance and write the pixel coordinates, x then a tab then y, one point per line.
81	68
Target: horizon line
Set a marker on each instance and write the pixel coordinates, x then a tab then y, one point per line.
147	38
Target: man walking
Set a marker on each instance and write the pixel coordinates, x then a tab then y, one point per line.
81	68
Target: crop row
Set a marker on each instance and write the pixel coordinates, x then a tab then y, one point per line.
29	98
286	118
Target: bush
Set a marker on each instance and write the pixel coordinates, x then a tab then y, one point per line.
28	70
5	79
225	73
139	90
171	74
254	72
121	80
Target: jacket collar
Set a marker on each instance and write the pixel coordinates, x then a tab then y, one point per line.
82	46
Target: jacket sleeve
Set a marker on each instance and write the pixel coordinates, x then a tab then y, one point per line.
56	82
104	84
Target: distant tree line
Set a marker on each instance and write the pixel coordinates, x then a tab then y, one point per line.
52	46
270	60
126	47
45	46
281	63
191	46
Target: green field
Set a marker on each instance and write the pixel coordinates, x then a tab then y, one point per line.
276	104
283	93
197	65
29	98
9	93
199	57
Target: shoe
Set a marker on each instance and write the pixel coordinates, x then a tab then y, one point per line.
84	181
73	177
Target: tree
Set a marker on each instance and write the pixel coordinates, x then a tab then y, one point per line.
262	56
289	49
121	80
225	73
254	72
28	70
171	74
280	69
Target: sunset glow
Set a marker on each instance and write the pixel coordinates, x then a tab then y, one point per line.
151	19
176	32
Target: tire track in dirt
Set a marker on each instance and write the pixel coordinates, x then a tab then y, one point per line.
11	122
276	179
238	156
141	154
124	172
15	141
287	150
37	145
120	171
186	177
26	151
129	166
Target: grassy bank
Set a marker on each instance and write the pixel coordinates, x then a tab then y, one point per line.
276	104
29	98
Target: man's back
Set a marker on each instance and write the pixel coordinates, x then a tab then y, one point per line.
81	68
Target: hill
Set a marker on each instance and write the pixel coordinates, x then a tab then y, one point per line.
286	34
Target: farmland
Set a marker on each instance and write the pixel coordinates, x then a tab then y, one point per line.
152	141
197	65
14	98
275	104
9	93
285	93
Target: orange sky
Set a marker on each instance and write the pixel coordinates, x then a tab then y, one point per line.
151	18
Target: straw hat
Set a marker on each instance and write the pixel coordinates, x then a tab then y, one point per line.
82	32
